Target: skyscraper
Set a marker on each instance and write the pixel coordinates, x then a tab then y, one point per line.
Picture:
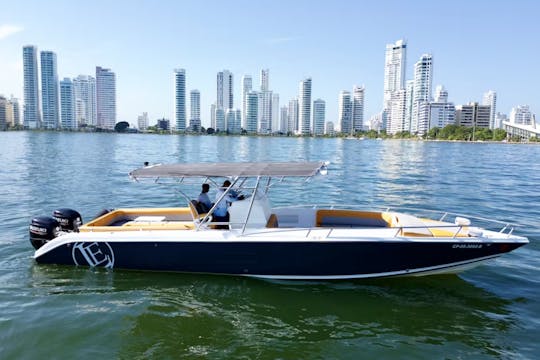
490	98
284	119
252	108
345	112
319	114
213	116
304	106
247	84
225	90
396	118
180	98
275	112
3	113
85	100
31	112
49	90
105	98
358	109
265	112
195	106
220	119
423	78
394	70
67	104
293	124
265	73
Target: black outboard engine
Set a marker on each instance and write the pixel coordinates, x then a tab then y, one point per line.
42	230
69	219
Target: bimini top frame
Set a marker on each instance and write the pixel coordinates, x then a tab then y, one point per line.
231	170
244	176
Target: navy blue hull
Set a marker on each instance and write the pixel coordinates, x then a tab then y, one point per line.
302	259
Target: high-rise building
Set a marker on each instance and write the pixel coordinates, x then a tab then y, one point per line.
441	94
330	128
275	112
499	119
521	115
49	91
85	100
232	120
213	116
13	114
265	73
142	121
247	84
345	112
409	94
195	107
180	98
284	119
358	109
67	104
304	106
423	78
319	115
293	122
225	90
473	115
3	113
252	109
32	117
220	119
490	98
265	112
396	118
394	70
106	98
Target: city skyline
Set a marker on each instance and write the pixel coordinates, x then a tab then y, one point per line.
291	50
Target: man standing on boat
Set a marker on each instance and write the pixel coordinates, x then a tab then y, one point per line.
204	199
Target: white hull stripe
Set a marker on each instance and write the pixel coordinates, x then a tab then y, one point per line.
431	270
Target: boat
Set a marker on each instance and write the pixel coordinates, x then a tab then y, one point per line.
304	242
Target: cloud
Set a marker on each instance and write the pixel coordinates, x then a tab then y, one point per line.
8	30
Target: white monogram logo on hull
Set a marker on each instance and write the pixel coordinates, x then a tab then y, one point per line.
93	254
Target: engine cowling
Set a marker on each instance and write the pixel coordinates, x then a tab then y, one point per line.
43	229
69	219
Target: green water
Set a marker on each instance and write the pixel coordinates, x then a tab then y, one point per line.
69	312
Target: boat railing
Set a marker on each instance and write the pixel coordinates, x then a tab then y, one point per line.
502	227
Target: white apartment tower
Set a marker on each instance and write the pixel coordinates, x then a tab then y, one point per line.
521	115
195	111
284	119
358	108
49	91
252	109
31	112
85	100
142	121
265	112
319	115
67	104
275	112
180	98
247	86
345	112
423	78
105	98
293	117
265	79
396	121
304	106
490	98
394	70
225	90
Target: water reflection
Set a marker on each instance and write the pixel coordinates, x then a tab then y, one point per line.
232	317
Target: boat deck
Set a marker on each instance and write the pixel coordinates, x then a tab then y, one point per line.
155	219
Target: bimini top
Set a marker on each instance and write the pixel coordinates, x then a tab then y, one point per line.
244	169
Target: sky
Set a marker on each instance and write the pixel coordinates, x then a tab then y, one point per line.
477	45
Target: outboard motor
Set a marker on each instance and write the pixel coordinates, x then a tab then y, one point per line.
69	219
42	230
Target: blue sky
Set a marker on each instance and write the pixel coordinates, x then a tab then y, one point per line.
476	45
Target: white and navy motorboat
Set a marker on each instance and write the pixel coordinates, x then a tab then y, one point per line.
257	240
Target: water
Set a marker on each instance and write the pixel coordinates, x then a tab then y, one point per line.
68	312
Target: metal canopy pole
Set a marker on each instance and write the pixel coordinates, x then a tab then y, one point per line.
251	204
